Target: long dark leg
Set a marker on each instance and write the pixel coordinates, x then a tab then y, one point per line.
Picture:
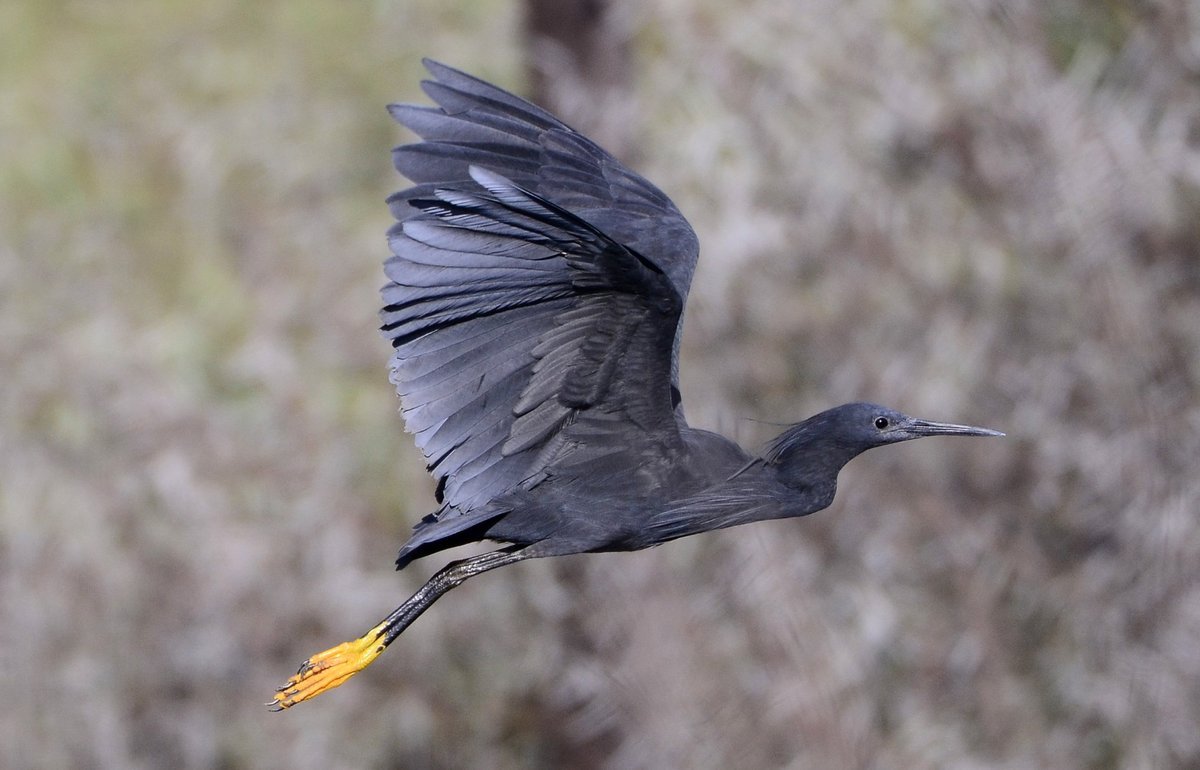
330	668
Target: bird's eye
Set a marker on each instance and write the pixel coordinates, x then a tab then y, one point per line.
881	422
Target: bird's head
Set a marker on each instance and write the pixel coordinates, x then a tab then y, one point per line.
871	425
825	442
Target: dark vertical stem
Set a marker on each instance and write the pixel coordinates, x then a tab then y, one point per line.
580	67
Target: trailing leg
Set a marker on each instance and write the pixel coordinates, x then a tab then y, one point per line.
330	668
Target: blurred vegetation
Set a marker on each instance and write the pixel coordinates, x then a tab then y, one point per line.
984	212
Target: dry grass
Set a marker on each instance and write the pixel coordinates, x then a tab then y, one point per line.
982	211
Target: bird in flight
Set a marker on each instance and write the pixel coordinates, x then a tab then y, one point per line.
536	289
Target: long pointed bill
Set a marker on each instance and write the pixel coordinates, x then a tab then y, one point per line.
927	428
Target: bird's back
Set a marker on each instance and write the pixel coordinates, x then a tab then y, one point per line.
608	503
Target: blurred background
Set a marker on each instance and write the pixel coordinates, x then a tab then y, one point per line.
983	211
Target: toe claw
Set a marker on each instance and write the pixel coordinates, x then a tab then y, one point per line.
327	670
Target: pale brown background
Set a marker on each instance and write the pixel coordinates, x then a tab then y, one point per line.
973	211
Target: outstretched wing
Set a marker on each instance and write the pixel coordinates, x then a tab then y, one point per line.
524	339
536	290
476	123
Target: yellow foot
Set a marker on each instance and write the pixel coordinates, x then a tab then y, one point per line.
328	669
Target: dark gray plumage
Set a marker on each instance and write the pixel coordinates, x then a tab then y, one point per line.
534	304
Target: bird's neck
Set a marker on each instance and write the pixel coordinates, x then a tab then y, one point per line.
812	474
808	462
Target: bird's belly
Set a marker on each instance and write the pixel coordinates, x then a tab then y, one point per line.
578	520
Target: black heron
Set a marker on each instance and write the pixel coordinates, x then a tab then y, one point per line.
534	305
